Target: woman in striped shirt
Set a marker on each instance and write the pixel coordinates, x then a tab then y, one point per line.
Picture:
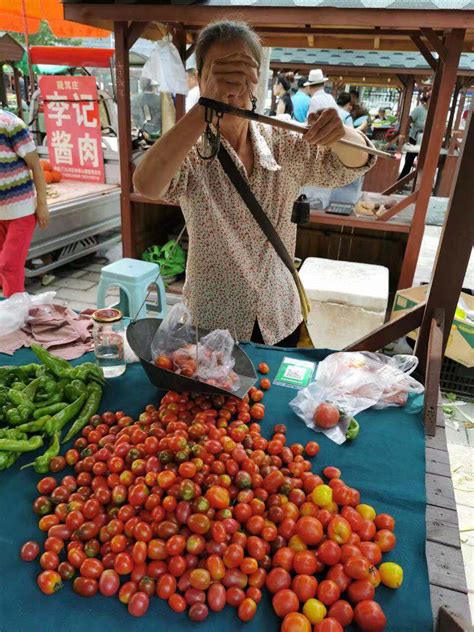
22	200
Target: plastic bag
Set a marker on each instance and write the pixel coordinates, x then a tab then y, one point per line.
373	204
209	360
164	66
353	382
14	310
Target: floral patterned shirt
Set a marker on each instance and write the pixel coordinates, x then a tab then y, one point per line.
234	276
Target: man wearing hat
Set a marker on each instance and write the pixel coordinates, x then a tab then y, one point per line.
320	99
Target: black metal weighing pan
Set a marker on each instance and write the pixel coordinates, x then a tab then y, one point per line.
140	334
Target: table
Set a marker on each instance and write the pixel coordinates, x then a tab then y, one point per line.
387	464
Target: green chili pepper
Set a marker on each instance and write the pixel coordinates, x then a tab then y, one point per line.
55	399
13	417
34	426
52	409
41	463
90	408
74	390
60	419
18	386
18	398
353	429
25	411
22	445
7	458
56	365
30	390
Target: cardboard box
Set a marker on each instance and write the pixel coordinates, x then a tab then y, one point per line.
460	345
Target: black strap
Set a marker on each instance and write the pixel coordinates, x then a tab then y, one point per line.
254	207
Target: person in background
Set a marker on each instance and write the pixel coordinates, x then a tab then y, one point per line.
357	106
344	107
320	99
301	101
381	116
281	90
146	108
193	95
417	122
21	176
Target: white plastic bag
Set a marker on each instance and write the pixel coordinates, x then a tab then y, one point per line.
166	68
209	360
353	382
14	311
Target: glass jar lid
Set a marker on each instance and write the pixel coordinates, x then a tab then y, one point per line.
107	315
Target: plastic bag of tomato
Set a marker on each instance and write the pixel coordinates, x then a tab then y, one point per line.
191	504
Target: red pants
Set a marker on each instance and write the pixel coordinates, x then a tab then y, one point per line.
15	239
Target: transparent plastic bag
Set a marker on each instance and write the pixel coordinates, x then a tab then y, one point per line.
14	310
216	362
175	332
353	382
209	360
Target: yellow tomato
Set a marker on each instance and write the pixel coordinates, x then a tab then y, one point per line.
391	574
322	495
315	610
366	511
296	543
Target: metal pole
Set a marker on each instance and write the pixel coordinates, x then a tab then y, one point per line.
31	75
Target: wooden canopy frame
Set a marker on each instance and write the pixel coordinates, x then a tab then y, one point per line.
439	35
11	53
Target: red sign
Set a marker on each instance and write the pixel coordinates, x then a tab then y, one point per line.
71	112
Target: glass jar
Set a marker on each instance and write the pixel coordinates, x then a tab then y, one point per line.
108	334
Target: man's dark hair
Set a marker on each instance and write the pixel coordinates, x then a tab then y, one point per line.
355	92
146	85
302	81
343	99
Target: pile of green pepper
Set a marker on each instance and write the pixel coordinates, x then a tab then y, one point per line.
40	400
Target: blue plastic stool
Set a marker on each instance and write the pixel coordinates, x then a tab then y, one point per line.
133	278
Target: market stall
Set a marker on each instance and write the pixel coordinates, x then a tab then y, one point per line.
398	431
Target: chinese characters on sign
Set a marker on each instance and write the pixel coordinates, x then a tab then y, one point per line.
71	111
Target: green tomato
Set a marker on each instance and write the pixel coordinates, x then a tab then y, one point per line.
353	429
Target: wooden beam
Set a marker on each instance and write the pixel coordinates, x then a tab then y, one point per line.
16	78
425	51
398	207
179	40
435	42
399	183
134	32
122	73
433	371
406	106
454	249
390	331
273	15
452	111
429	154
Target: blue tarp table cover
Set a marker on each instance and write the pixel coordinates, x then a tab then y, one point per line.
386	463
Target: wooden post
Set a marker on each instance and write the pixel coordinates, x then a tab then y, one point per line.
460	110
454	249
406	105
3	96
16	76
179	40
122	73
452	111
430	150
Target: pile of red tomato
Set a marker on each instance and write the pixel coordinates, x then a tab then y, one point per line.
192	504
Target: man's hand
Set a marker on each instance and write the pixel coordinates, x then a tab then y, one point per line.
325	127
42	215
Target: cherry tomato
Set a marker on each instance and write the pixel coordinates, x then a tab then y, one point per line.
277	579
326	416
342	611
49	561
109	583
369	616
138	604
265	384
49	582
305	587
285	601
29	551
198	612
384	521
329	624
310	530
177	603
85	586
385	539
360	590
328	592
263	368
329	553
216	597
247	609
